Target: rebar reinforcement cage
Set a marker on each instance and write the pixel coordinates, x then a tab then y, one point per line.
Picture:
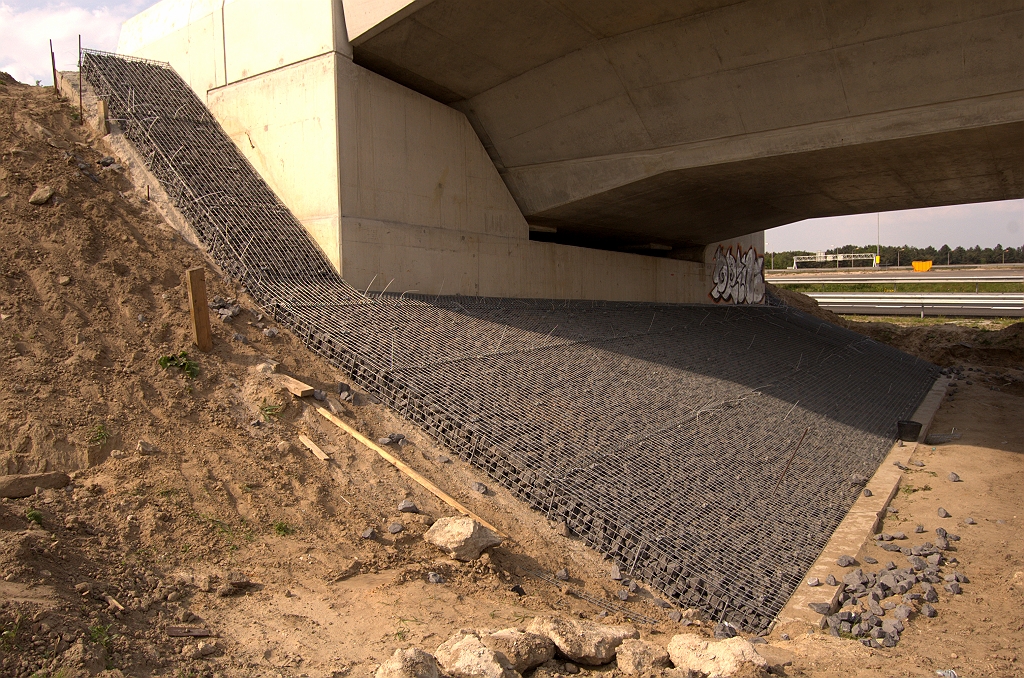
665	436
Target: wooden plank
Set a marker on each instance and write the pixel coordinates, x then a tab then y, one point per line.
187	632
407	470
296	387
320	454
200	311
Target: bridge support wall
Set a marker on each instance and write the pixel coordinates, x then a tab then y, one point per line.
396	188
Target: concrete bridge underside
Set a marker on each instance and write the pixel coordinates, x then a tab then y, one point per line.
621	123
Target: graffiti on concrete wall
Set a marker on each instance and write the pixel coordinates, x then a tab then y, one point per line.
739	277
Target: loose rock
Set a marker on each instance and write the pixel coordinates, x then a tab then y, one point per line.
845	561
18	486
395	528
724	630
409	663
408	506
943	513
479	487
465	656
637	657
583	641
41	195
462	538
720	659
954	478
523	651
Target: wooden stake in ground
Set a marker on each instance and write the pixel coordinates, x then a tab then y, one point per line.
81	109
53	64
102	125
200	311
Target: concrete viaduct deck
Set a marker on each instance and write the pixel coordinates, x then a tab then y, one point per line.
627	123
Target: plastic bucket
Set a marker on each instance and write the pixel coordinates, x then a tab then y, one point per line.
908	430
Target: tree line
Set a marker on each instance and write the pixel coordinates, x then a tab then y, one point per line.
902	256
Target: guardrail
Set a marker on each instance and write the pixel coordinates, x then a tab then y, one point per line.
869	279
923	303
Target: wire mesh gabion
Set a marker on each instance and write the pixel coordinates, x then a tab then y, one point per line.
665	436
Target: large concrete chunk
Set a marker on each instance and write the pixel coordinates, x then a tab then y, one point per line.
583	641
14	487
465	656
716	658
522	650
409	663
462	538
637	657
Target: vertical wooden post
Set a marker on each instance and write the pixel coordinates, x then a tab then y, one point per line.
81	109
53	65
200	311
101	117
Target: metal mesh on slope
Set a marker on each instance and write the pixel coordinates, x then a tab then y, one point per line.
656	432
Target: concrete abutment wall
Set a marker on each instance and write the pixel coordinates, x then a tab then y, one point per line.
395	187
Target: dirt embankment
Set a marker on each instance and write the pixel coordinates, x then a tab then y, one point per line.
93	575
946	345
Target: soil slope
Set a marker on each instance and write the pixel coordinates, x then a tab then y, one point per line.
93	575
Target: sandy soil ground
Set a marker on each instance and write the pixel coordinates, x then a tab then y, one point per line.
91	296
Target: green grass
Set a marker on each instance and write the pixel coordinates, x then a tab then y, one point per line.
100	634
189	368
34	516
270	411
283	529
99	434
994	324
9	634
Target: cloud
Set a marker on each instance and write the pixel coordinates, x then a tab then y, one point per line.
26	28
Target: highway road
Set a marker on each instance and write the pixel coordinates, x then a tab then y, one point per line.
1001	305
868	275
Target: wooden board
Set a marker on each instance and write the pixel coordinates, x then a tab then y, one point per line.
320	454
407	470
296	387
187	632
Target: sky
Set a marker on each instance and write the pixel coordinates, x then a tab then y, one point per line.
984	224
25	28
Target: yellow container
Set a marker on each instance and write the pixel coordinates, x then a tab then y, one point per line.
922	266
